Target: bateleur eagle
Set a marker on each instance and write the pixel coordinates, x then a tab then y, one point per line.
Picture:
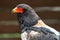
31	25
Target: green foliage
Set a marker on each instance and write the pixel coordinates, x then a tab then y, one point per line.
10	35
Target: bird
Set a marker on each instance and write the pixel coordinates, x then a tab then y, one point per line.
32	26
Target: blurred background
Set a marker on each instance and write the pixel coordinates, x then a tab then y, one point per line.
48	10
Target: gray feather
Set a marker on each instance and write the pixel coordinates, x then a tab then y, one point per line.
28	19
42	36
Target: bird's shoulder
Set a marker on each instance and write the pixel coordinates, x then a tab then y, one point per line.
40	23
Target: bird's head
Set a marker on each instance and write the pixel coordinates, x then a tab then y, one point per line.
25	13
21	8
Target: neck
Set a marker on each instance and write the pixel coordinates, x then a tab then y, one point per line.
27	20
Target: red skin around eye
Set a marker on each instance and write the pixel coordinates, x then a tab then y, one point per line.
19	10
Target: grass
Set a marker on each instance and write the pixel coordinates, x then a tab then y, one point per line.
10	35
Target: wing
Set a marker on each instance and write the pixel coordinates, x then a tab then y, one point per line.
43	36
39	34
36	35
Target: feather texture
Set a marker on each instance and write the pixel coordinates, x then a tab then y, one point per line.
32	27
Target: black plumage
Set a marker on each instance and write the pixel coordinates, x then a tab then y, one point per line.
32	27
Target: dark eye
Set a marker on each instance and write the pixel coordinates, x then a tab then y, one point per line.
25	10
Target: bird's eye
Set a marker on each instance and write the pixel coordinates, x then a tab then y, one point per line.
25	10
